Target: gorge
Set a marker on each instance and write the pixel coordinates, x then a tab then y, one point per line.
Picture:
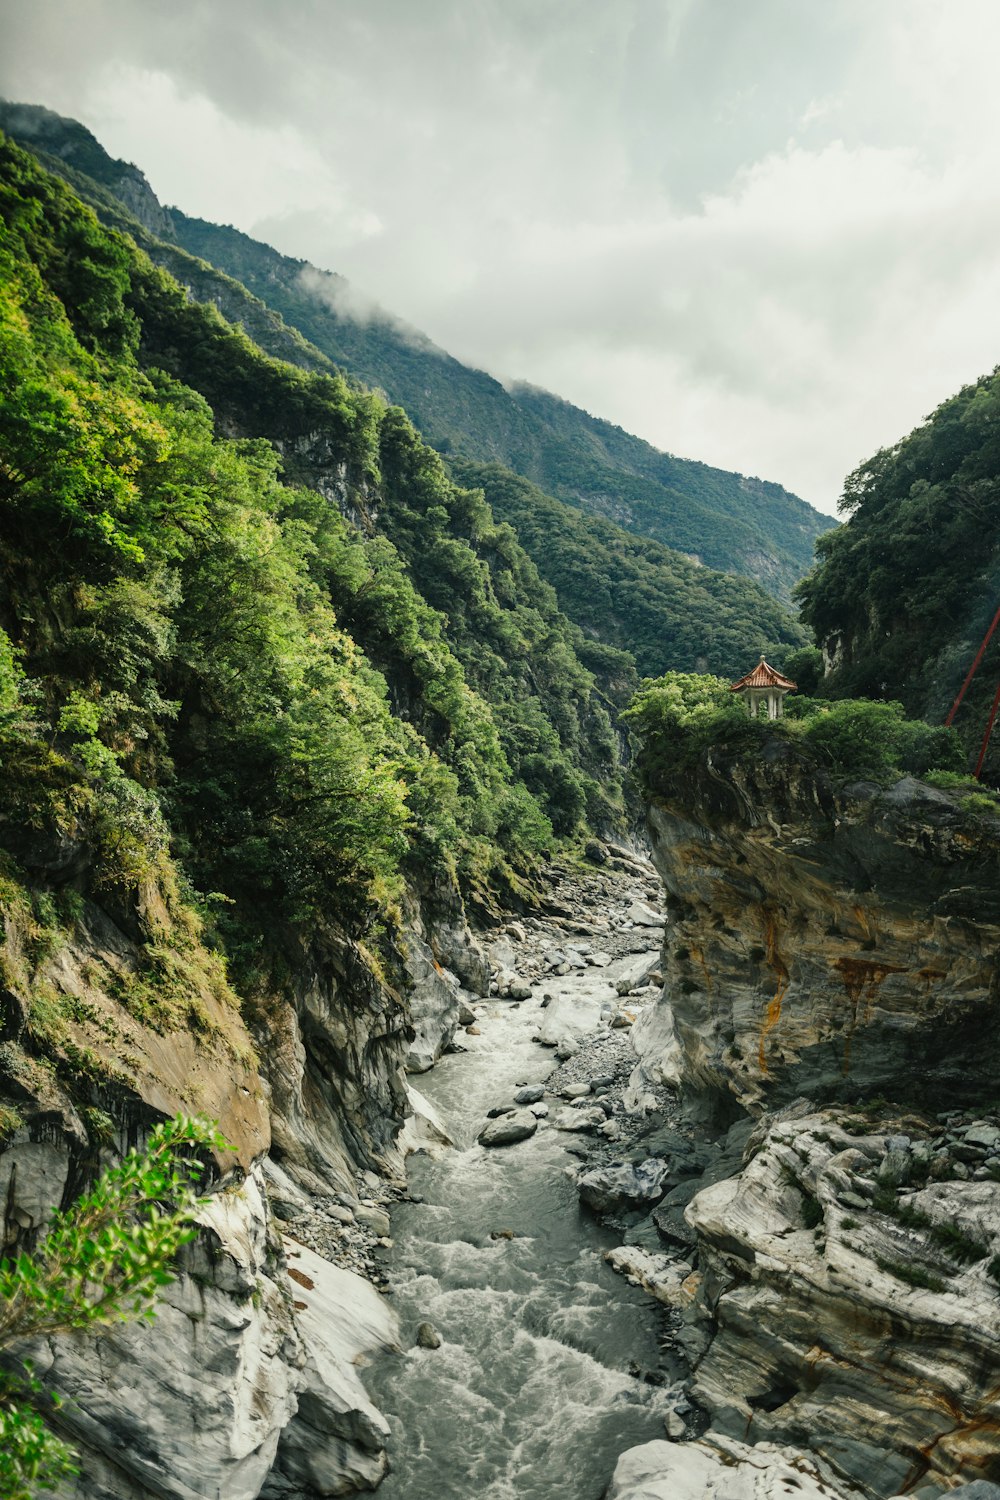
551	1172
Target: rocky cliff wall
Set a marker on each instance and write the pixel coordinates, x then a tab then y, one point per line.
247	1376
834	941
831	968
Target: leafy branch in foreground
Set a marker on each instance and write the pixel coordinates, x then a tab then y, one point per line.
103	1260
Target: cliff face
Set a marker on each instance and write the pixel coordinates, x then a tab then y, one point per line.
831	941
831	969
853	1300
247	1374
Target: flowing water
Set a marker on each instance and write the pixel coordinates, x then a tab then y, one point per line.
530	1395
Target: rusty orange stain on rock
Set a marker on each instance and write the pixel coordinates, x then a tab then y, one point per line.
862	977
777	963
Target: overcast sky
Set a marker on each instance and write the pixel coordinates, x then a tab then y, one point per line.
763	233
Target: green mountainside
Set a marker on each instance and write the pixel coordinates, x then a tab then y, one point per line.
667	612
724	520
903	593
634	593
202	660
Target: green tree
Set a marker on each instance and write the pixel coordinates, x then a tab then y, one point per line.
103	1260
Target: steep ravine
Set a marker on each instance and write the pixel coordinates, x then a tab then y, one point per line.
534	1390
247	1379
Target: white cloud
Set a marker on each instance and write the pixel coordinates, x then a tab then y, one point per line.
758	235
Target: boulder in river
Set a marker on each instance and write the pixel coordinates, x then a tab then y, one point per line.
530	1094
628	1185
428	1337
508	1128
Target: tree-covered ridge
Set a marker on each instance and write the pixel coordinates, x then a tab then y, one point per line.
903	593
730	522
683	719
202	661
633	593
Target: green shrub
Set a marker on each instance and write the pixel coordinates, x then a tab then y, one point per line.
913	1275
812	1211
979	805
681	715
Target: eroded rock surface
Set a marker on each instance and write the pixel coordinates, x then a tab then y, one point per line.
855	1304
822	940
718	1469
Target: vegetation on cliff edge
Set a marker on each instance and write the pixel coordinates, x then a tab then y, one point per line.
682	716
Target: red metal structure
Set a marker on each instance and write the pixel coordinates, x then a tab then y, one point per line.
996	697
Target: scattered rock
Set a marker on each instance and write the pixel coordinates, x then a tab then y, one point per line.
644	916
516	1125
428	1337
530	1094
376	1218
579	1119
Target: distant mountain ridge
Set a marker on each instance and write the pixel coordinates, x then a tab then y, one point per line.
723	520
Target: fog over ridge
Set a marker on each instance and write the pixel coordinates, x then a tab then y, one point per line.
761	236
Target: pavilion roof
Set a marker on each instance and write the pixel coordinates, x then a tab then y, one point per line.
763	676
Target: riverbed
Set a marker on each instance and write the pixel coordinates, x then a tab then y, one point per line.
530	1396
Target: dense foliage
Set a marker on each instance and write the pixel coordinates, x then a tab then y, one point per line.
636	594
728	521
213	661
907	587
683	716
102	1260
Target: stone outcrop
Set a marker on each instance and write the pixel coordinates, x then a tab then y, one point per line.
823	940
830	969
336	1443
246	1383
854	1301
193	1406
717	1468
433	1005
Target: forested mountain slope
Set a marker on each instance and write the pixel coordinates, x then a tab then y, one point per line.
903	593
632	592
660	608
726	520
211	656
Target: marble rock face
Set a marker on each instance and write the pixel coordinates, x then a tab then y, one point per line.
433	1005
335	1443
821	940
237	1388
717	1468
193	1405
424	1129
854	1311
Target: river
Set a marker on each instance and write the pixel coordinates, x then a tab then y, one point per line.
530	1396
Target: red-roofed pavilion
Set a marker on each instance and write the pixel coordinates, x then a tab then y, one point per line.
763	686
